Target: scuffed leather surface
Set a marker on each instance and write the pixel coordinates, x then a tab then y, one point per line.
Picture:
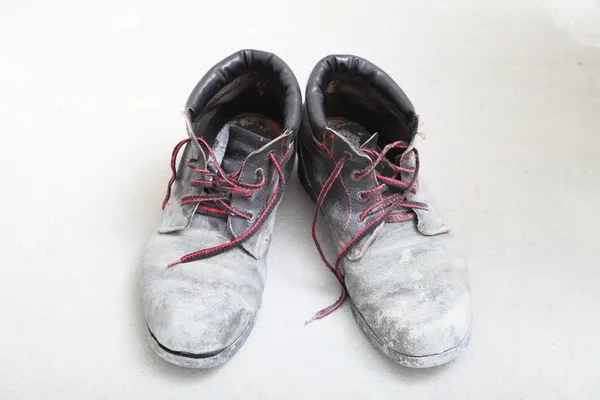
409	282
204	307
412	290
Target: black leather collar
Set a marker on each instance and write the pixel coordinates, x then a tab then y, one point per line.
357	68
240	63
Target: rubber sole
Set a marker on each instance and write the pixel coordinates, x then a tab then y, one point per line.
425	361
199	361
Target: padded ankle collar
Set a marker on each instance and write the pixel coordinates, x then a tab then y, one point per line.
243	62
358	68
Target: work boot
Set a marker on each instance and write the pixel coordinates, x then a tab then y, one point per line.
205	268
398	263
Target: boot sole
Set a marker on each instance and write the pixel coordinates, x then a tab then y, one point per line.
425	361
199	361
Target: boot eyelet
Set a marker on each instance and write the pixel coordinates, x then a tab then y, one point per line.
354	175
260	174
360	218
348	154
252	216
361	196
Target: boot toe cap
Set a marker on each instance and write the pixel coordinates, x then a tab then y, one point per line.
197	318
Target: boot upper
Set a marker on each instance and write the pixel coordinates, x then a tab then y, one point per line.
402	267
201	292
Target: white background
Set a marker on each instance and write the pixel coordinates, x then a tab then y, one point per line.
90	96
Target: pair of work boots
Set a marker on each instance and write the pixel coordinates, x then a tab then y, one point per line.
397	263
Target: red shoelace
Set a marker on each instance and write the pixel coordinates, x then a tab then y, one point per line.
218	189
388	206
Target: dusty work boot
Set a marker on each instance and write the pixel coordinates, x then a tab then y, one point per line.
398	263
205	267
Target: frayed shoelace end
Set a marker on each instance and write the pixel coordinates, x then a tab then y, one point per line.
174	263
312	319
325	312
328	310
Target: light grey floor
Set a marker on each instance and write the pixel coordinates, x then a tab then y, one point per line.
89	111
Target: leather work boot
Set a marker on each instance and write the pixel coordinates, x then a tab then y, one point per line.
204	269
400	266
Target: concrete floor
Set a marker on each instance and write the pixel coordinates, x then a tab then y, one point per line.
89	112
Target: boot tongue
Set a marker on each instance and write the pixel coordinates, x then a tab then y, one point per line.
220	145
231	147
237	147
